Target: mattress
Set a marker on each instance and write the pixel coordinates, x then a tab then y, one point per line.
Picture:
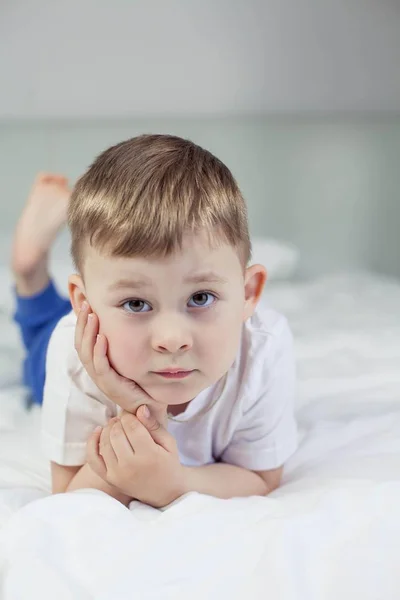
332	529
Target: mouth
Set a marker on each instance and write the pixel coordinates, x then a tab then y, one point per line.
174	373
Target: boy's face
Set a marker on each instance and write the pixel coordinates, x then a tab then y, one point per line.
183	312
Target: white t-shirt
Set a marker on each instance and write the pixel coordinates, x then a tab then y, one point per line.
250	424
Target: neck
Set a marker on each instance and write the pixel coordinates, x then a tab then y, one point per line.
177	409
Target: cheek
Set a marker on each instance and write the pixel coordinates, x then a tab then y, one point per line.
220	341
126	351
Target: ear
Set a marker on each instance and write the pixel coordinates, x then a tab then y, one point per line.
77	293
254	282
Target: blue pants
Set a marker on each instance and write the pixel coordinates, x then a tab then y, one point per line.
37	316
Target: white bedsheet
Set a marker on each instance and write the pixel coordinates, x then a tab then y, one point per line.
332	530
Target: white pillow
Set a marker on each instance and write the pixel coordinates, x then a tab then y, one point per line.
279	258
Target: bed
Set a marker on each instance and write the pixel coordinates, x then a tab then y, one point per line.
331	531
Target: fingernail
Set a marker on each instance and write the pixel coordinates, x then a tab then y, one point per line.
84	306
98	428
145	412
90	316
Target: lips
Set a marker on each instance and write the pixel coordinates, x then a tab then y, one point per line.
173	370
173	373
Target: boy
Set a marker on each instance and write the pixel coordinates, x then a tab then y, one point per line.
164	318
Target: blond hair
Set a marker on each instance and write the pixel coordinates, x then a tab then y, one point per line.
141	196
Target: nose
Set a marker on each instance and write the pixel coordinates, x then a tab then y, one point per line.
171	335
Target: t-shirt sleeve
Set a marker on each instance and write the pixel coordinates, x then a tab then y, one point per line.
266	434
73	406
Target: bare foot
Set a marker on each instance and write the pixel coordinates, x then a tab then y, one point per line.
43	216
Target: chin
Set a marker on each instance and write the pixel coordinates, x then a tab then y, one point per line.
172	393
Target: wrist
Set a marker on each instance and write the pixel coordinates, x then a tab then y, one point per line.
187	480
175	491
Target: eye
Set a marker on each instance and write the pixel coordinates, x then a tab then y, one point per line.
136	306
202	300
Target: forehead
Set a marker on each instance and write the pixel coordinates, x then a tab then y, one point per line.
196	255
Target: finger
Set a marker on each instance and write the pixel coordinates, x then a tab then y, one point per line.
120	443
107	378
124	392
81	321
100	360
106	450
93	458
88	341
159	434
136	433
124	412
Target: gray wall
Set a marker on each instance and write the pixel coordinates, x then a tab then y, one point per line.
328	184
190	57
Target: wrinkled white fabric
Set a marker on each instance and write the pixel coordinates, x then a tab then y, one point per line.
331	531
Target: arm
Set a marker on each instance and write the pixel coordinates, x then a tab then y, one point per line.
143	462
75	406
61	476
228	481
69	479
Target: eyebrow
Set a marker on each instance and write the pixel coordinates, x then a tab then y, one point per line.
207	277
123	284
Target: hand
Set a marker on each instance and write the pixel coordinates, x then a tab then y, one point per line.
92	351
138	456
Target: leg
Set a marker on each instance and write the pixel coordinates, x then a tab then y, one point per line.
37	316
43	216
39	307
